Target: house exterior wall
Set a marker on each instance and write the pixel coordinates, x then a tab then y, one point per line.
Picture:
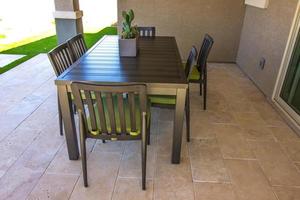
264	34
189	20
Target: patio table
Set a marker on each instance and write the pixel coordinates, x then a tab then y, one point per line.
158	65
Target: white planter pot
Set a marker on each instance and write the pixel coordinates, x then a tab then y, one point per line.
128	47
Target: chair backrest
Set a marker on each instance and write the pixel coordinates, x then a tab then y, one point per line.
190	61
77	45
61	58
204	51
111	111
147	31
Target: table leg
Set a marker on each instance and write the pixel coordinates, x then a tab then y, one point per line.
178	125
69	123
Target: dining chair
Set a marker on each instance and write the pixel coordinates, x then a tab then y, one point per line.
170	101
199	71
116	112
147	31
77	46
61	58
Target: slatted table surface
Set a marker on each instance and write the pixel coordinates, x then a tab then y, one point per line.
158	61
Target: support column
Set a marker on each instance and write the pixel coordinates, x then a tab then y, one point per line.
68	19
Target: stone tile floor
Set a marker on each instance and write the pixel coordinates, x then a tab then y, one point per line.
240	150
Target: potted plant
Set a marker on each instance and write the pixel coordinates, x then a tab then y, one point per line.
128	40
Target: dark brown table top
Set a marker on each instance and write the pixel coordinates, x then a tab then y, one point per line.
158	61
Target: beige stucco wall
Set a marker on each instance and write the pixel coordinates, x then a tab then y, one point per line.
265	34
189	20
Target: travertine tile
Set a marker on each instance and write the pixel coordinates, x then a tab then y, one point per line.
131	189
62	165
258	132
164	140
18	182
131	164
241	106
232	143
54	186
212	117
173	181
292	149
284	134
249	119
28	114
202	130
213	191
298	166
269	115
166	114
102	172
109	146
12	147
248	180
207	162
287	193
275	164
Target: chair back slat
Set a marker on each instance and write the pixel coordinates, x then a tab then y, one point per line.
131	101
147	31
91	110
77	46
101	112
61	58
121	112
204	52
111	112
190	61
105	106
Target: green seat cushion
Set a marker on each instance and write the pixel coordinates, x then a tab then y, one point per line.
162	99
117	117
194	75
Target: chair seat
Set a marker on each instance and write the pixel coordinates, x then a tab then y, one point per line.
194	75
162	99
117	118
169	99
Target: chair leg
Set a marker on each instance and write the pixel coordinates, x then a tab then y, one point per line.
204	90
74	109
83	150
144	152
83	160
187	112
200	85
200	82
60	121
148	131
144	160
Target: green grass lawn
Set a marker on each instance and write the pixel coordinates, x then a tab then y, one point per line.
46	44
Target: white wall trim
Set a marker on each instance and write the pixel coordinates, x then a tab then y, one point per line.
68	14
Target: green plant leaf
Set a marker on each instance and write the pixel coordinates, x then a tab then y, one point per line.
131	14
